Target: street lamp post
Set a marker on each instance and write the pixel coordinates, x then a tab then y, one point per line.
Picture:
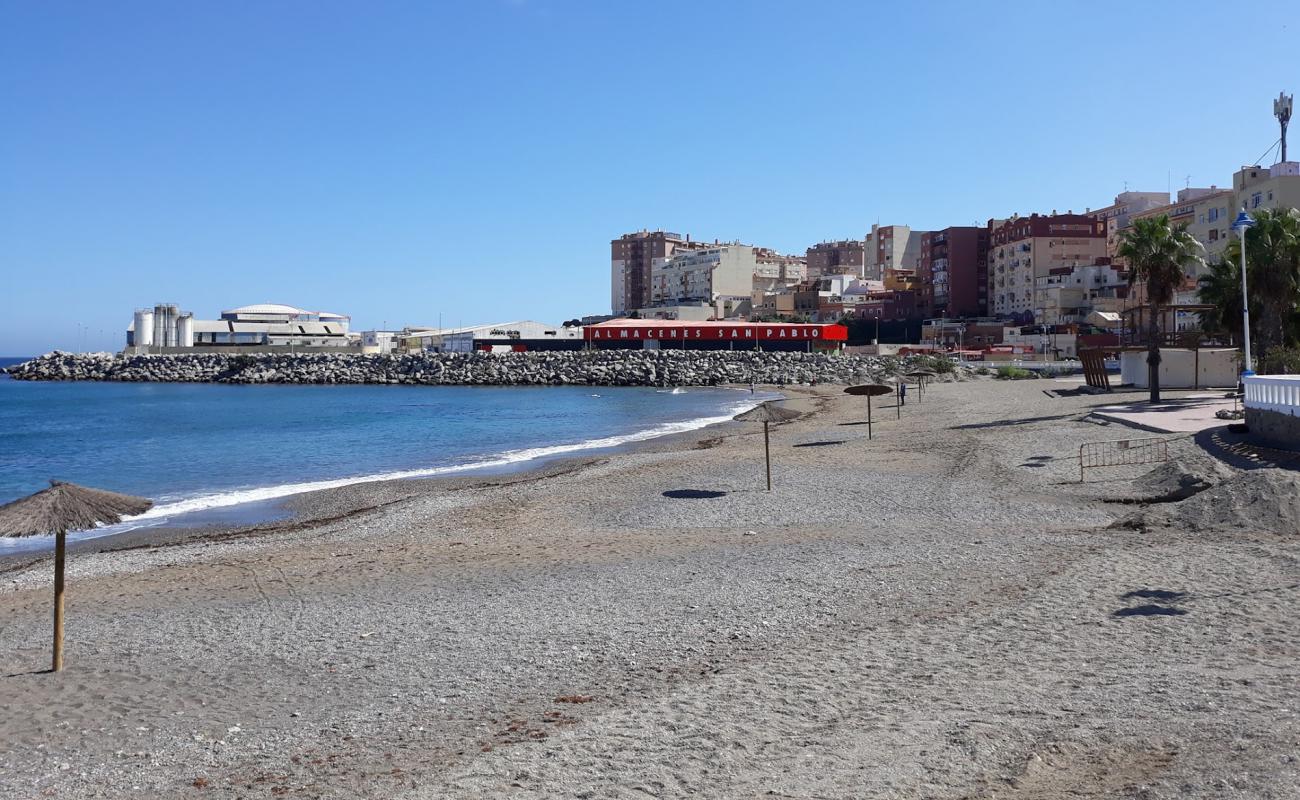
1243	224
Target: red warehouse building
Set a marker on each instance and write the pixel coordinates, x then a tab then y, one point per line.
648	334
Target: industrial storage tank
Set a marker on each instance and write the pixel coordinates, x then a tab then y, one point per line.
185	331
143	327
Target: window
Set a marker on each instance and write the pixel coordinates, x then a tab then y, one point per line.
1214	235
1255	200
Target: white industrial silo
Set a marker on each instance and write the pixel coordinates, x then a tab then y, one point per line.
143	328
185	330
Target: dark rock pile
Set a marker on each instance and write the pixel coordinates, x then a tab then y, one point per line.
596	367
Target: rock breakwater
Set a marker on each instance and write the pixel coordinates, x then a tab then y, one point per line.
596	368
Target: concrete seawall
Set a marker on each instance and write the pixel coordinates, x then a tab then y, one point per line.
597	368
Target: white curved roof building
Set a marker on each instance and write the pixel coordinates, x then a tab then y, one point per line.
257	325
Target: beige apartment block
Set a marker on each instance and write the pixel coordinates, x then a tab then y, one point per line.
1258	188
1208	215
1023	249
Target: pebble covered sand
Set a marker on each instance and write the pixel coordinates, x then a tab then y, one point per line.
941	612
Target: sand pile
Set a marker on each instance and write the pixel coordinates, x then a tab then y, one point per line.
1261	501
1183	477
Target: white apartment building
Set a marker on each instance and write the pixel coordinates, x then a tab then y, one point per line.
704	275
1070	294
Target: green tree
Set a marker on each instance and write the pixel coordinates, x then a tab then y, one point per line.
1221	288
1159	256
1273	276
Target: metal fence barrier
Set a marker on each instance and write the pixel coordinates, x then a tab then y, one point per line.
1122	452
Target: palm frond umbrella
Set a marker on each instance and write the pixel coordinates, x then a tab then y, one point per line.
767	413
870	390
61	508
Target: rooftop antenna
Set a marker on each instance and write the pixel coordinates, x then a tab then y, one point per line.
1282	110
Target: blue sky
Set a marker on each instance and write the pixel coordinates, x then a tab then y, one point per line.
401	160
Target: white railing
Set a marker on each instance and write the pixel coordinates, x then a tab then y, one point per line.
1280	393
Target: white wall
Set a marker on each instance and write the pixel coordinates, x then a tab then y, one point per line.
1178	368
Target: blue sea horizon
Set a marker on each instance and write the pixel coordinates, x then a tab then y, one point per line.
228	454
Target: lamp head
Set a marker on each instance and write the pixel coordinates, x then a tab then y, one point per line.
1242	222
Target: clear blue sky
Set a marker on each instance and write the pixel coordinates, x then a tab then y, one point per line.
397	160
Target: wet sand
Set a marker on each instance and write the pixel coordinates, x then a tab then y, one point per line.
939	612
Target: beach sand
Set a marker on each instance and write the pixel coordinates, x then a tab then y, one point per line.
941	612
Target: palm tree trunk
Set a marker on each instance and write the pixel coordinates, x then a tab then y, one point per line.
1153	352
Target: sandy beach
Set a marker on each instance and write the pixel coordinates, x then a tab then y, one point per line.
941	612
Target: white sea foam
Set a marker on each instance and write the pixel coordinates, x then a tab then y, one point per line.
168	510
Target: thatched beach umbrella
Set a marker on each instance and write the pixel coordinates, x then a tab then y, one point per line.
61	508
870	390
921	376
767	413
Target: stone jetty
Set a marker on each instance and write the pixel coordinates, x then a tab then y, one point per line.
594	368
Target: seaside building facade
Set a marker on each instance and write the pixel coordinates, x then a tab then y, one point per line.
1023	249
633	257
642	334
518	336
891	247
843	257
953	272
266	326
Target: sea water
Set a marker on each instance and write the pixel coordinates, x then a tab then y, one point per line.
209	453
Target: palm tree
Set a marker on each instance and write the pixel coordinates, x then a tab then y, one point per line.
1221	288
1160	256
1273	270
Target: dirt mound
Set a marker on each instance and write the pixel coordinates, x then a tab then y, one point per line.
1183	477
1260	501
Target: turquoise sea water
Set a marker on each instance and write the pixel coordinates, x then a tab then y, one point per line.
203	450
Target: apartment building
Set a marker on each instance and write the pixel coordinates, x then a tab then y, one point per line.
633	257
843	257
1069	294
1275	187
773	270
721	276
1208	215
1126	205
953	272
891	247
1023	249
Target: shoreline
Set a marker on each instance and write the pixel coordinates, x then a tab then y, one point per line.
932	612
349	497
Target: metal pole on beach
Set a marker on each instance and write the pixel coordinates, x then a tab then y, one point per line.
767	456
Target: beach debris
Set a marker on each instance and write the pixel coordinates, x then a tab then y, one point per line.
575	699
368	635
61	508
1261	501
751	533
1180	478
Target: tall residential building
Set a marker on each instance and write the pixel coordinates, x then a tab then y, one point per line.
953	272
835	258
632	258
891	247
720	276
1023	249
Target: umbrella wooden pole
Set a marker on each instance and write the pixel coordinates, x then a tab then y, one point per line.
60	548
898	401
767	456
868	417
